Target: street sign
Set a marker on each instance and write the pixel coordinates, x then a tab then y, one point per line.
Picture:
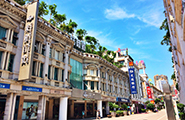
133	87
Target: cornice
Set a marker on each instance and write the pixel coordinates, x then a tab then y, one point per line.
13	10
53	31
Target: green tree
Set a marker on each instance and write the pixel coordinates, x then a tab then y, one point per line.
166	37
71	26
81	33
21	2
150	106
59	18
53	11
43	9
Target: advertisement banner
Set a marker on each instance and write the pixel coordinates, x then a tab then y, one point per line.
149	92
33	89
133	87
5	86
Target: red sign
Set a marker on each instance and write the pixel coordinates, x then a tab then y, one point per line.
149	92
131	64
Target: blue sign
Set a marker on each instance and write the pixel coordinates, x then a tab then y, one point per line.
132	79
33	89
118	99
3	85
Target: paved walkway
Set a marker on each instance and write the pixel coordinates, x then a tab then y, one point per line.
161	115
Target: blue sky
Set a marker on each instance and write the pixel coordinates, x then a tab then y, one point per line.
132	24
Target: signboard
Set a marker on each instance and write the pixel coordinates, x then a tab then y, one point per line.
5	86
33	89
149	92
122	52
133	87
118	99
77	93
144	89
28	42
152	101
131	64
56	91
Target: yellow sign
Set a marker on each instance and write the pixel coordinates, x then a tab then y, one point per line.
150	80
144	89
28	42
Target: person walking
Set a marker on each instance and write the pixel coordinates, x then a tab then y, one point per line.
83	114
98	114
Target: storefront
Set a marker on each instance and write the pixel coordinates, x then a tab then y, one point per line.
82	101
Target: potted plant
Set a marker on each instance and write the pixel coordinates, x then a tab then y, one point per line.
150	107
114	106
124	106
117	113
143	110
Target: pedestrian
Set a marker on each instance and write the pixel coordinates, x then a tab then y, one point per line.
83	114
29	111
98	114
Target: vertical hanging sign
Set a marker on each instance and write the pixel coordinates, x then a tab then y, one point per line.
132	79
149	92
28	42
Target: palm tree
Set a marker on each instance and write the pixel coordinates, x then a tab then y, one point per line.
59	18
81	33
71	26
43	9
53	11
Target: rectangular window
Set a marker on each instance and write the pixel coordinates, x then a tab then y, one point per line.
56	74
1	53
103	87
63	57
56	55
103	75
43	49
85	85
92	85
91	72
96	72
85	71
2	33
49	67
36	46
50	52
97	85
41	70
33	68
63	75
15	38
10	65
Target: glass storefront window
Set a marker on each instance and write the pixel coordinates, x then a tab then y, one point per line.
30	110
76	76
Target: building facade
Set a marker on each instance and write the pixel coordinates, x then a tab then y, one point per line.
174	12
41	70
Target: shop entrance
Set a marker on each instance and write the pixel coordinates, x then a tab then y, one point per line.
2	105
78	108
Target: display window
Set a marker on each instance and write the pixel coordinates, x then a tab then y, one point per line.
30	110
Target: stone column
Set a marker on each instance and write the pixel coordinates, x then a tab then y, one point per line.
50	114
46	63
21	102
41	108
63	108
94	108
4	60
66	63
85	108
7	61
99	82
99	106
8	35
106	82
11	37
72	109
113	89
107	108
10	106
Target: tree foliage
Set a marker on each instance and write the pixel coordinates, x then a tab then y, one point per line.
43	9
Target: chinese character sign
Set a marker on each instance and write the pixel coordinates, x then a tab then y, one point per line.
149	92
28	42
133	87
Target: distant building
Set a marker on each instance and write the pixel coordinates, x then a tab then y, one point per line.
158	78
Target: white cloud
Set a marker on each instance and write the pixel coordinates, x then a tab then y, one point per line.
151	15
117	13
